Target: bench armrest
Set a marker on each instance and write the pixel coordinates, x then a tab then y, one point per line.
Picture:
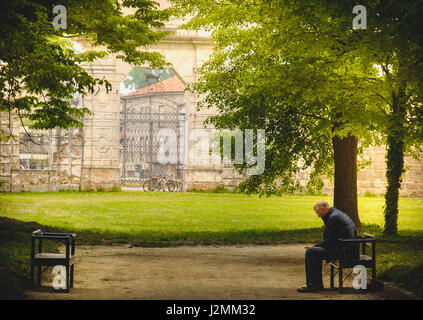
38	234
366	236
41	233
352	241
50	237
72	234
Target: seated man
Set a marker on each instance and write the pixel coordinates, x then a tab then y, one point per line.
337	225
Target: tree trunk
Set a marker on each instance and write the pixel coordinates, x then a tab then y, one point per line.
394	161
345	193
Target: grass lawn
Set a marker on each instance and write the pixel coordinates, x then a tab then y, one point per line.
168	219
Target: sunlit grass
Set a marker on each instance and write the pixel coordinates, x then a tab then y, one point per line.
171	219
158	214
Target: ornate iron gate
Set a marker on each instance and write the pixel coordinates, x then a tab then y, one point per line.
142	118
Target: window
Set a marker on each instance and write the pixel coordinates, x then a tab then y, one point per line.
34	150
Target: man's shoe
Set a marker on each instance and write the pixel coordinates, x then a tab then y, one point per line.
305	289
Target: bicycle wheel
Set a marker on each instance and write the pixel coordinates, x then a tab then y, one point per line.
164	186
148	185
158	186
171	186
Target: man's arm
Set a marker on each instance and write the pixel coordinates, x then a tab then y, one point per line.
330	235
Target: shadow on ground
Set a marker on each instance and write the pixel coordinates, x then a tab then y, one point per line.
15	242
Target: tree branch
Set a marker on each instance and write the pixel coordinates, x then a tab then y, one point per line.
27	133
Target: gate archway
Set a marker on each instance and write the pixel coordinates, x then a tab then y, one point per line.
146	113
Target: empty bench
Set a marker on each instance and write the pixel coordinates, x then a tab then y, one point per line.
46	259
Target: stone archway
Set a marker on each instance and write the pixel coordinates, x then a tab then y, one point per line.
186	51
89	158
152	130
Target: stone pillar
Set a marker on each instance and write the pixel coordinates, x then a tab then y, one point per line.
100	159
9	151
65	159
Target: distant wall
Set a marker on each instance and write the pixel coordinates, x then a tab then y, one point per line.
373	177
67	169
9	151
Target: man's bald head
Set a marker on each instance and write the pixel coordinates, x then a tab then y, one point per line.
321	208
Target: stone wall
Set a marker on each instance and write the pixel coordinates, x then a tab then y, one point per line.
201	178
372	178
64	165
9	150
65	171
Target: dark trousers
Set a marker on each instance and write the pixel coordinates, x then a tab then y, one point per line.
313	264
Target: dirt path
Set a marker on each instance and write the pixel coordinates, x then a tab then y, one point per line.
197	273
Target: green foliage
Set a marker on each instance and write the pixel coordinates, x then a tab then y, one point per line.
286	67
221	190
116	189
315	184
216	190
395	170
40	71
369	194
299	70
195	190
15	250
394	42
400	261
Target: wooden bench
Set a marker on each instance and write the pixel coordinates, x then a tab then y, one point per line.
47	259
352	257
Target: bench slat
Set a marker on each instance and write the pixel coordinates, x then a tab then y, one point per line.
50	256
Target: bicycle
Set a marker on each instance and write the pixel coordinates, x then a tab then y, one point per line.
177	184
159	183
150	184
165	183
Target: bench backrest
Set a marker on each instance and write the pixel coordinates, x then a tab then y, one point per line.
351	253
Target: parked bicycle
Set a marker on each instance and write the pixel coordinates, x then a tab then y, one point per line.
178	184
164	183
159	183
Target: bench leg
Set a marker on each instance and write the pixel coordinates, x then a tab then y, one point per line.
340	279
67	278
32	273
71	276
39	275
373	282
331	276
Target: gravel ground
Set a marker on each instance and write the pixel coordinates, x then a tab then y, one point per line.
194	273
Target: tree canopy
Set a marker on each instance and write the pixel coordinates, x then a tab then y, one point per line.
394	42
40	71
302	72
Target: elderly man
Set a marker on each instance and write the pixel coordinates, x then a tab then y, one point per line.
337	225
